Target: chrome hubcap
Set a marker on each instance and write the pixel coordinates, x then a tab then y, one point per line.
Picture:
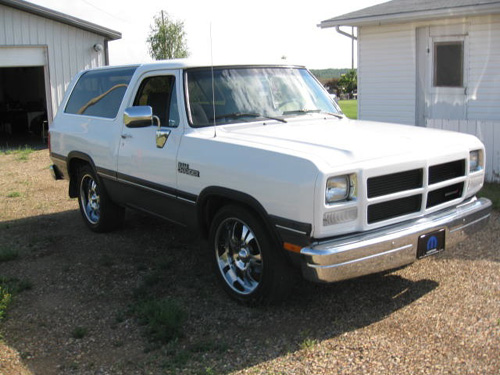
89	193
239	256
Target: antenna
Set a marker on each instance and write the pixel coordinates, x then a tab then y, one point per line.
213	83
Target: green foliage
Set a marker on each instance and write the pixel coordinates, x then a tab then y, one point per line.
14	194
163	319
8	288
167	39
7	254
349	107
21	153
324	75
79	333
348	82
5	298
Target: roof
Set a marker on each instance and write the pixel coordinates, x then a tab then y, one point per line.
63	18
413	10
190	63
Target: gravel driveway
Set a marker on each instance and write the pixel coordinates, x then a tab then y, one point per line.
76	314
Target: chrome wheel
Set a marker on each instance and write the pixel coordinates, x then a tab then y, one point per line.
90	199
239	256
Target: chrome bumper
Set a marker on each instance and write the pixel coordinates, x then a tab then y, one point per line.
388	248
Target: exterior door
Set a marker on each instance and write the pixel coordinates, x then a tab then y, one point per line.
147	171
442	71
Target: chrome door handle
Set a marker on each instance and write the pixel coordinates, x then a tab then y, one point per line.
125	136
162	137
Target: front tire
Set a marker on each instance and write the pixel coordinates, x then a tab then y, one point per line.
248	261
99	213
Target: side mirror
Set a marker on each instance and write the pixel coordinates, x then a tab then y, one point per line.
138	117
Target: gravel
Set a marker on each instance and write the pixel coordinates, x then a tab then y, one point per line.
440	315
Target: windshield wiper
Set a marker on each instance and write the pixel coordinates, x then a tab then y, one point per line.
237	115
306	111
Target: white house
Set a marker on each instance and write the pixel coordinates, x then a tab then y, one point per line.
432	63
40	51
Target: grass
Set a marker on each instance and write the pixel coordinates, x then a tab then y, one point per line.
8	288
164	319
349	107
22	153
14	194
492	192
79	333
5	299
8	254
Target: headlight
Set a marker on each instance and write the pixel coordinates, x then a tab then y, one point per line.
340	188
475	162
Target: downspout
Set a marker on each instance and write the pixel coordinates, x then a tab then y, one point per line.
353	38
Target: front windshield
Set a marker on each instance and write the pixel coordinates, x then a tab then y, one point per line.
249	94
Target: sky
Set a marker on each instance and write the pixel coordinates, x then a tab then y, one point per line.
224	30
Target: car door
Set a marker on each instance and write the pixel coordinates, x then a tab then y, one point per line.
147	170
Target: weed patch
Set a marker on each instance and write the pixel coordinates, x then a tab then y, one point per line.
22	153
5	298
164	319
8	254
8	288
79	333
14	194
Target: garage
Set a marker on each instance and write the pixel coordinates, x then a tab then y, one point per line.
23	95
40	52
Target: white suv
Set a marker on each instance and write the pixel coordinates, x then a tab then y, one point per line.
264	164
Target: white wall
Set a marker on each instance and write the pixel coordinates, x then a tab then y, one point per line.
386	74
484	69
69	49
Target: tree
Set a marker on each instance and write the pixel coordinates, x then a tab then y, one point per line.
348	82
167	39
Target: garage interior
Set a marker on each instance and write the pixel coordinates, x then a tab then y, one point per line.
23	106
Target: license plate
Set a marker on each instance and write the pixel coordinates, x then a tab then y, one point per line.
431	243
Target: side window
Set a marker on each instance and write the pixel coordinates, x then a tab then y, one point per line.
448	64
159	93
99	92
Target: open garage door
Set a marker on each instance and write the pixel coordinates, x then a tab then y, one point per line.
23	95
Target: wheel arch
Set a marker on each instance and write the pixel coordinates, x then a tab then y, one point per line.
211	199
74	162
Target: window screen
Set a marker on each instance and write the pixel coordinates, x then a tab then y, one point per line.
99	92
159	93
448	64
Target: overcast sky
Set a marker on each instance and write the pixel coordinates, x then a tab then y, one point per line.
255	30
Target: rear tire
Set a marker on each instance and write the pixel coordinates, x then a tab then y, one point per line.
99	213
248	262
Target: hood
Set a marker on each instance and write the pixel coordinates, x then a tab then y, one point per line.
338	142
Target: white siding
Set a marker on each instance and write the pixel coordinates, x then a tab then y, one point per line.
484	69
386	74
69	48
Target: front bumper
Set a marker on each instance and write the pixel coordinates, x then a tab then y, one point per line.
392	247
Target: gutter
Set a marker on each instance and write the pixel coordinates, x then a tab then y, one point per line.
337	28
353	38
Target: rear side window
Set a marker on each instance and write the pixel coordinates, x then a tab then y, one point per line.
100	92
